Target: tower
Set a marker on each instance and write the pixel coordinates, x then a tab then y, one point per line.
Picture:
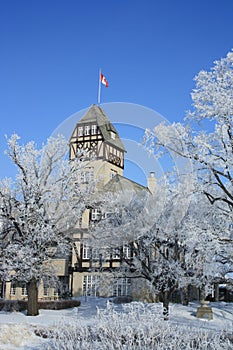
95	134
91	267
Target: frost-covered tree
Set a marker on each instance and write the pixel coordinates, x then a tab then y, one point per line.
164	251
37	211
207	252
206	138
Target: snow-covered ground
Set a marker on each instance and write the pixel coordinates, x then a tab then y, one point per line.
17	331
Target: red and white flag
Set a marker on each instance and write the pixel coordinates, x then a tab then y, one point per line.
103	80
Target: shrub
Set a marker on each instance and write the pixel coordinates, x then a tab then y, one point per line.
58	304
13	305
136	328
122	300
21	305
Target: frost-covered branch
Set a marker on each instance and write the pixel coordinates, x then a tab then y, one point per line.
211	151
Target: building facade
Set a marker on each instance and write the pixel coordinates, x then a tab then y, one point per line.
88	271
92	269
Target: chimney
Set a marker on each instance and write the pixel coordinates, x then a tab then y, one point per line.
152	182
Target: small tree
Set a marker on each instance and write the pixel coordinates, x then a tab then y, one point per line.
37	212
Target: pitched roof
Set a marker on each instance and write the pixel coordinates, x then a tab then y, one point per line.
96	115
121	183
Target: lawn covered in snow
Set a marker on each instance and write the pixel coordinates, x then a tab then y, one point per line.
118	324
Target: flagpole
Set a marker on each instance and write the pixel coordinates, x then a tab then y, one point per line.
99	90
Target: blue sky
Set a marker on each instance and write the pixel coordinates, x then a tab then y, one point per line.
149	51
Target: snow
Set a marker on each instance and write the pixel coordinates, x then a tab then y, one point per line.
17	329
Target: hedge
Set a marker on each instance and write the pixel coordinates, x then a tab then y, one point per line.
21	305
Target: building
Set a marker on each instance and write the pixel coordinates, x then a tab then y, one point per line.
79	273
96	134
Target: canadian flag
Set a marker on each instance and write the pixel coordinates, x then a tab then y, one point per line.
103	80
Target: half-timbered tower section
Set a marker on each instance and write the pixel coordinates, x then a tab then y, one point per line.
97	137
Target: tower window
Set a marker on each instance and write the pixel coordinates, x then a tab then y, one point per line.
113	135
80	131
94	129
87	130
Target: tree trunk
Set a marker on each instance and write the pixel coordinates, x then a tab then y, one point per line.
32	291
185	296
216	292
165	298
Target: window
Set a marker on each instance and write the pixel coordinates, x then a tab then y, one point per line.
80	131
90	285
95	214
116	253
127	251
86	177
100	254
87	130
95	254
56	293
86	251
94	129
24	289
45	288
22	286
13	288
46	291
122	286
